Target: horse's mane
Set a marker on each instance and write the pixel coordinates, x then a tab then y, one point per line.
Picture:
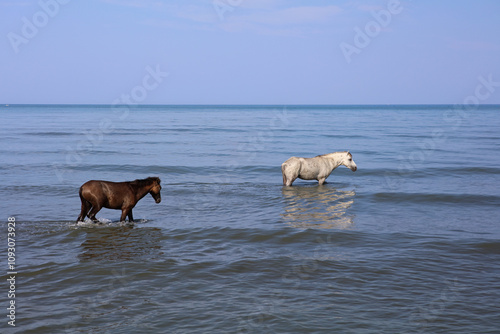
146	182
324	155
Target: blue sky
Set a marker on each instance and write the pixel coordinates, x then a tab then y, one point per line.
250	51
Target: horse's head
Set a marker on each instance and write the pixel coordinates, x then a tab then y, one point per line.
348	162
155	189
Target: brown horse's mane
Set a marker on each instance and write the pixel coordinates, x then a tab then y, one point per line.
146	182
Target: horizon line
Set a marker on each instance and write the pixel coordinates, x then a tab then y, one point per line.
238	104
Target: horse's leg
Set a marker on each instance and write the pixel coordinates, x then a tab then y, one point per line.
126	212
321	180
95	209
290	181
124	215
291	177
85	209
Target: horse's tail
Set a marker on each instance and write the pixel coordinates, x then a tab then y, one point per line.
81	195
86	205
283	167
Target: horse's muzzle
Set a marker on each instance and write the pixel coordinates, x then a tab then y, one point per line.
158	200
355	168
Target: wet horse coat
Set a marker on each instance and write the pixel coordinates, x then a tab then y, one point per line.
317	168
96	194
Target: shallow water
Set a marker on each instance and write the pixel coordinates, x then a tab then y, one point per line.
409	243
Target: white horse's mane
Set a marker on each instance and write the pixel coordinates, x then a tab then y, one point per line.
327	154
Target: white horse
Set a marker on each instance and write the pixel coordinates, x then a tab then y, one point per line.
317	168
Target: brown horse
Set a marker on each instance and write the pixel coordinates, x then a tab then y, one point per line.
96	195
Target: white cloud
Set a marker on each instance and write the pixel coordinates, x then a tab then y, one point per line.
284	21
473	45
301	15
135	3
15	3
256	16
261	4
369	8
196	13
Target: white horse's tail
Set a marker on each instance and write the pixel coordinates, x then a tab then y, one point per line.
283	167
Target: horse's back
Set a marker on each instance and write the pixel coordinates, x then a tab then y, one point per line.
93	184
99	188
92	187
317	165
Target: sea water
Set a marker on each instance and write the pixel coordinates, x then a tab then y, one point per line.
409	243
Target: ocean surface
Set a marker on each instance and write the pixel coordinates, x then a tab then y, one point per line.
409	243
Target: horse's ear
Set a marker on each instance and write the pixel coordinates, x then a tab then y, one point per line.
155	179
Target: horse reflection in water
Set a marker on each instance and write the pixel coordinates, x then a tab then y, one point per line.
317	207
121	243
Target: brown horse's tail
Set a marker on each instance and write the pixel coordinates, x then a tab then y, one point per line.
83	199
81	195
86	205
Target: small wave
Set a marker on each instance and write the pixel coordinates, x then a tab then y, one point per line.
425	172
104	223
447	245
489	247
43	190
51	134
172	169
89	223
282	235
464	199
342	136
474	170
